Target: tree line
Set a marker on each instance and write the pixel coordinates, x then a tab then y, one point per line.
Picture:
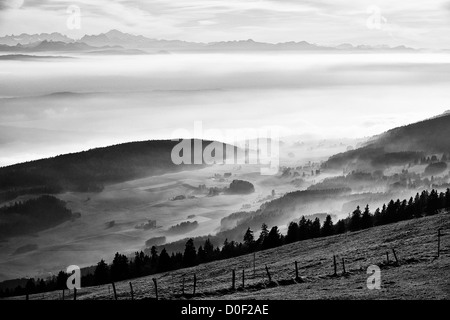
122	267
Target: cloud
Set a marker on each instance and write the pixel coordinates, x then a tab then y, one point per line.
11	4
206	22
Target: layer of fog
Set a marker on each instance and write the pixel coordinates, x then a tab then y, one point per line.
117	99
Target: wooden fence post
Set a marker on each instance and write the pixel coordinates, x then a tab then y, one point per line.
439	242
296	270
343	265
243	278
233	279
195	284
395	256
114	290
74	293
131	291
335	265
387	257
268	274
156	288
63	294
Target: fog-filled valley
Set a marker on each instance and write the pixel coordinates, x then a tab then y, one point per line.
80	102
331	110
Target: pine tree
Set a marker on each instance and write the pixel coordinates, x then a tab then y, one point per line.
30	286
315	228
355	220
101	273
209	250
201	255
340	227
264	233
154	256
249	239
119	267
292	232
327	228
366	219
303	229
273	239
433	203
190	254
228	249
61	280
164	262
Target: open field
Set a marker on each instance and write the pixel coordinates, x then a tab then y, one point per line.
419	275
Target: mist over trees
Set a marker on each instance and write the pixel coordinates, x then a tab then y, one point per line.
89	171
33	215
435	168
122	267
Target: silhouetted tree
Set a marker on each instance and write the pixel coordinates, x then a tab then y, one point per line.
315	228
355	220
433	203
327	228
264	233
303	229
201	255
119	267
139	264
249	239
154	258
101	273
164	261
366	219
228	249
61	280
292	233
209	250
190	254
30	287
273	239
340	227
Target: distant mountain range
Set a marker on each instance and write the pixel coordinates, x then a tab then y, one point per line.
116	41
25	38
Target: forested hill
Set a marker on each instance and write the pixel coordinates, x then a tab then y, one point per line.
90	170
399	146
431	135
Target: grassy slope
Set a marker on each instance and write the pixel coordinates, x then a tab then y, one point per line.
419	276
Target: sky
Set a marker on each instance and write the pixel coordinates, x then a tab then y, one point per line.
415	23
